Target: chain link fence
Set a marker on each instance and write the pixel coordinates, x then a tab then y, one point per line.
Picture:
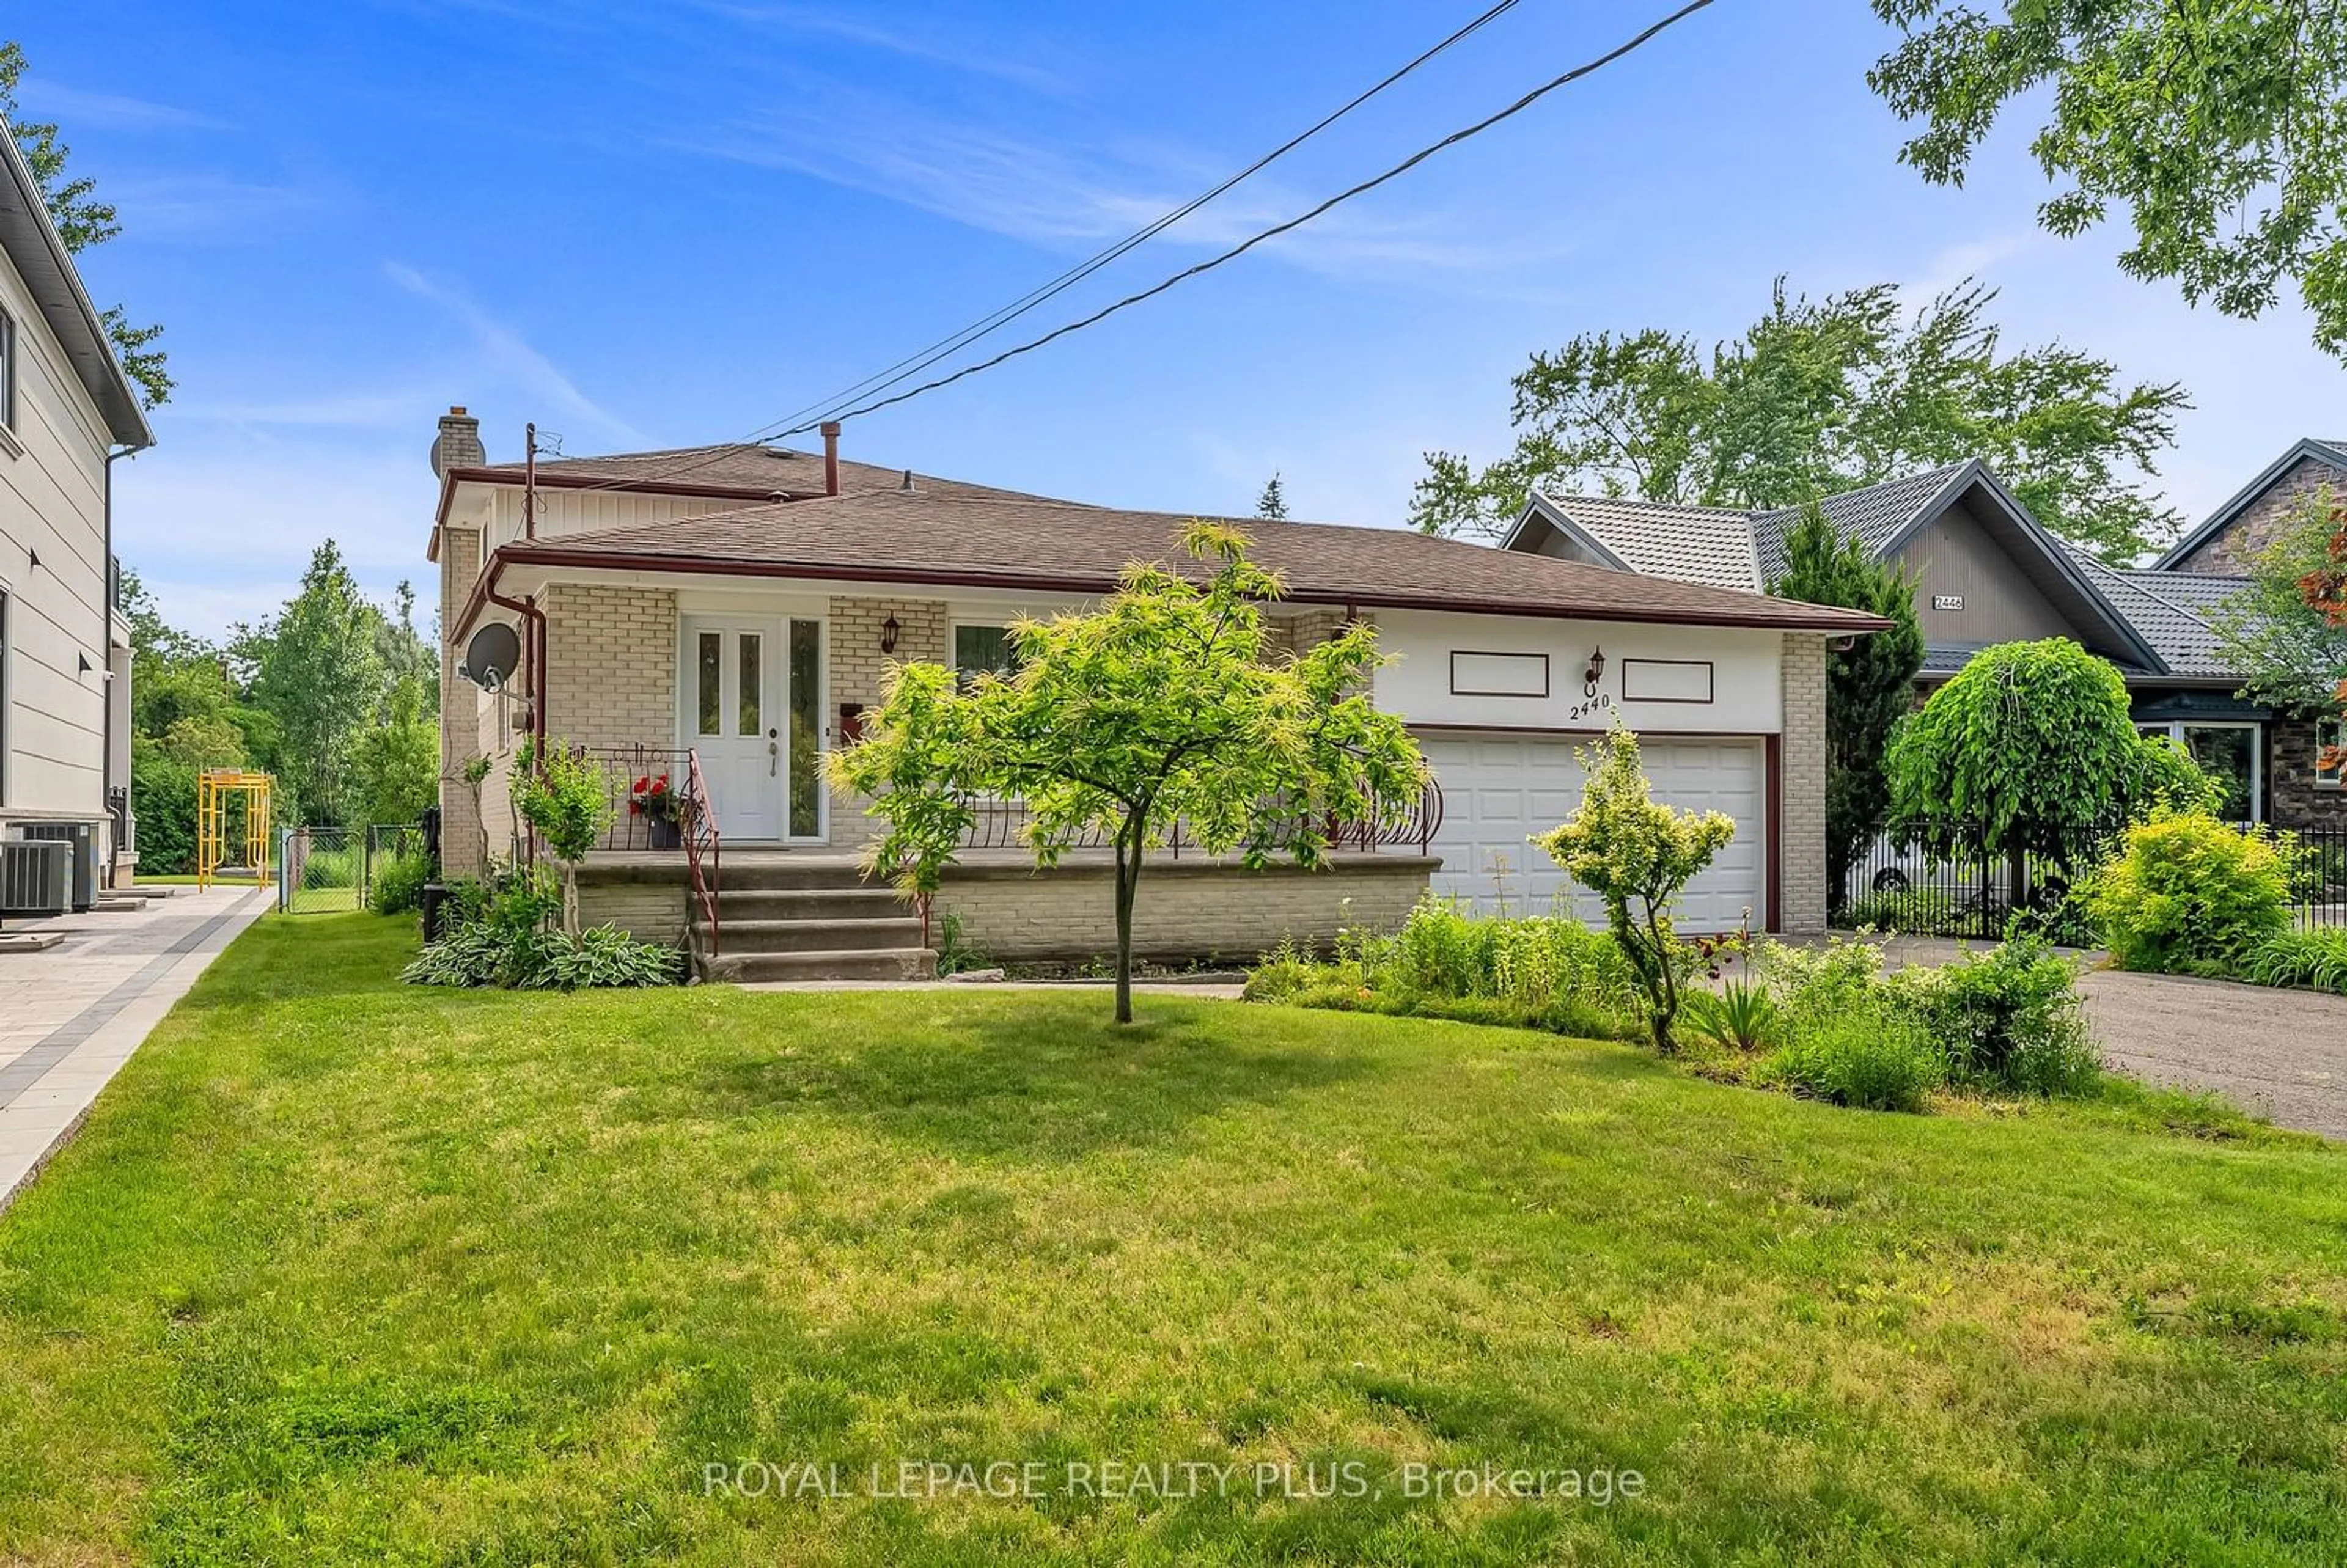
322	870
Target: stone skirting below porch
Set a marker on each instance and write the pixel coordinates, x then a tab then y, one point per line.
1188	909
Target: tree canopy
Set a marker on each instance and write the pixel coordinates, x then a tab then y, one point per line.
1869	685
1823	395
1166	704
2285	631
2031	743
2220	131
82	221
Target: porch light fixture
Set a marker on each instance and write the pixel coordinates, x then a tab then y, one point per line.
888	630
1596	671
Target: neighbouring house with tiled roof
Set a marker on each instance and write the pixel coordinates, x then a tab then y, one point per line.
730	612
1986	572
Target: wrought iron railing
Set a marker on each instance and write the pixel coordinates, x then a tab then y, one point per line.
630	773
1943	878
701	846
1000	824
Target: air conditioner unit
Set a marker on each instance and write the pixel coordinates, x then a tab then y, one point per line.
82	836
36	876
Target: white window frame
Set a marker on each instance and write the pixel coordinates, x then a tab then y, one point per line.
2329	733
953	642
2173	730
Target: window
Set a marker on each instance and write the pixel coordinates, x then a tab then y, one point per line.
8	370
2231	750
2330	737
983	650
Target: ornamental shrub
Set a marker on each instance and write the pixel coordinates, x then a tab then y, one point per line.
2190	895
2010	1017
1873	1060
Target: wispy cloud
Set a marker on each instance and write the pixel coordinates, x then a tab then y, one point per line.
1039	193
931	46
507	350
202	208
114	110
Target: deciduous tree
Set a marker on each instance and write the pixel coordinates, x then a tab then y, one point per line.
1819	397
82	221
2220	130
1165	704
1637	855
2029	745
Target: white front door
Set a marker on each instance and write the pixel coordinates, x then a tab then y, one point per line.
734	718
752	698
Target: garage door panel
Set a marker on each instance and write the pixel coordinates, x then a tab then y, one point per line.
1499	790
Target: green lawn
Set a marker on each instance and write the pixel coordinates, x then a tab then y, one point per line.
340	1271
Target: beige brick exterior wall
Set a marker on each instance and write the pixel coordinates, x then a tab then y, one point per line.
857	665
2229	554
1185	909
461	842
611	665
1801	825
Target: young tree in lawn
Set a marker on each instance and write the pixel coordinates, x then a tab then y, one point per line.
1869	685
2030	743
1823	395
2220	131
1162	706
1637	855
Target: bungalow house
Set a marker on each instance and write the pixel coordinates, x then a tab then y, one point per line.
1986	571
732	609
67	411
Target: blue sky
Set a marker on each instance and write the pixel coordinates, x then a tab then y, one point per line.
657	225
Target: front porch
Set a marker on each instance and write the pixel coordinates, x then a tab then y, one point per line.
815	909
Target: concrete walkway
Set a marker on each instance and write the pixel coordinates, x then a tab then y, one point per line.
71	1015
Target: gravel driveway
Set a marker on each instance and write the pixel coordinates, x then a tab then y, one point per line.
2282	1054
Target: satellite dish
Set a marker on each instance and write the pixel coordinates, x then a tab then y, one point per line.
491	656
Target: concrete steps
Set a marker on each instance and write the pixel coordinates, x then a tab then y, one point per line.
784	918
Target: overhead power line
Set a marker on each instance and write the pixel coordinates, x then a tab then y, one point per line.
920	360
770	433
1244	246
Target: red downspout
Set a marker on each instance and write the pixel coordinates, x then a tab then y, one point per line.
533	620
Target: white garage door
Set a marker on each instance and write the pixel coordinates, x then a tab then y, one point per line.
1499	790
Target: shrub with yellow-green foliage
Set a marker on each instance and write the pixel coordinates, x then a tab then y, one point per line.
2190	895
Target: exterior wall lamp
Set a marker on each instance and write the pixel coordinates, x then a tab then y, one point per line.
1596	671
888	630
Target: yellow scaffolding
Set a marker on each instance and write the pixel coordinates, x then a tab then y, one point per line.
215	788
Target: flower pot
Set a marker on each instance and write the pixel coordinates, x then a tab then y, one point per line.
665	834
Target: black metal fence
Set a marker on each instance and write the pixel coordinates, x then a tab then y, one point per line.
1941	878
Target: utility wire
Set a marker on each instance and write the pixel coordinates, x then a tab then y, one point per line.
769	433
921	359
1241	248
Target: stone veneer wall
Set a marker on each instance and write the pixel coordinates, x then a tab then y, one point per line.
2229	552
1801	817
2292	797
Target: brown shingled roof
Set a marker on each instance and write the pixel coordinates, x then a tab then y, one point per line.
756	472
890	536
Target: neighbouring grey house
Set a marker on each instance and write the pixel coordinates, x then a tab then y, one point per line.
67	411
1986	571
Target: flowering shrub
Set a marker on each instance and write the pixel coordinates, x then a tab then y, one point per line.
653	799
2187	893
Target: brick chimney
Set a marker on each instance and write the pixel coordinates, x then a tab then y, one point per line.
459	444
